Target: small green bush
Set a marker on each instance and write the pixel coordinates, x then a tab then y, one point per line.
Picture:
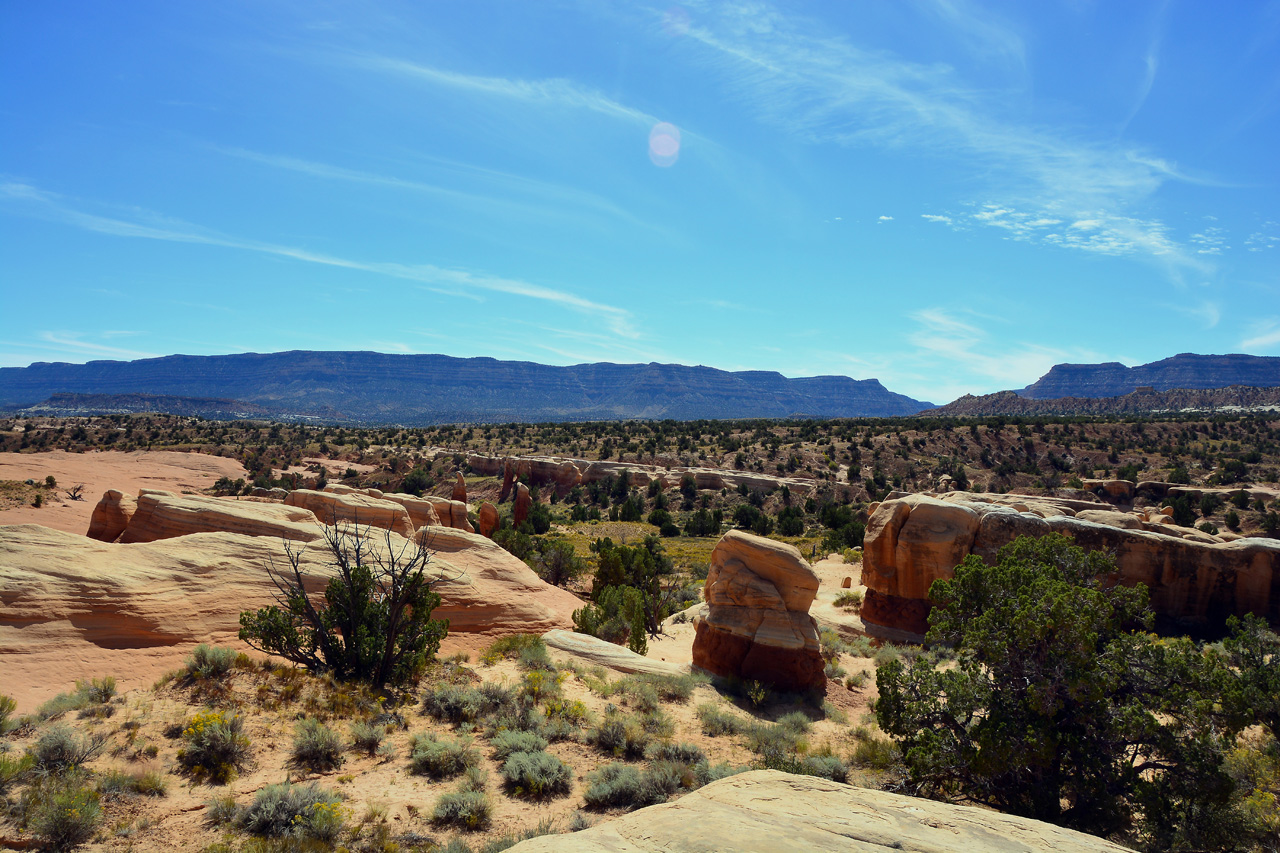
511	647
13	770
367	737
717	722
535	657
471	810
536	775
215	746
622	737
99	691
7	706
678	753
504	743
452	703
151	783
62	811
316	746
826	766
62	748
540	685
287	810
877	753
441	758
61	704
851	598
221	810
210	661
616	786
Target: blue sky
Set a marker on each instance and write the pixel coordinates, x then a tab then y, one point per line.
948	196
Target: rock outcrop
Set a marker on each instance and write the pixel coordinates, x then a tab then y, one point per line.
488	591
523	502
755	623
112	515
488	518
422	512
1195	580
452	513
363	509
763	811
459	488
608	654
72	607
163	515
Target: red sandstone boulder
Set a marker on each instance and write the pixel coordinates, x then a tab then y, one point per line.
523	502
111	515
459	488
488	519
756	623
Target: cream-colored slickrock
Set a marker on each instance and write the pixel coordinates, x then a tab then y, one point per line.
363	509
422	512
488	591
72	607
604	653
162	515
767	811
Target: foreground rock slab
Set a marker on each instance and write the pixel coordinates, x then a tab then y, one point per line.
765	811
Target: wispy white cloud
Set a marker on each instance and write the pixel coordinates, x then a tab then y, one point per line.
508	185
451	281
937	217
885	219
75	345
1264	336
827	89
982	33
552	92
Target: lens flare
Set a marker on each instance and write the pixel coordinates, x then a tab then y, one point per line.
664	144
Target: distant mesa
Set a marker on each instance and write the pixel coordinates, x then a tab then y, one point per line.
1183	371
380	388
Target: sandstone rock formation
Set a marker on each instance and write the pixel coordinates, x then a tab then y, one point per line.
163	515
111	516
522	504
488	517
1195	579
361	508
488	591
756	623
459	488
764	811
72	607
608	654
422	512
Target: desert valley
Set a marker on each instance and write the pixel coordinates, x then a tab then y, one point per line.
700	612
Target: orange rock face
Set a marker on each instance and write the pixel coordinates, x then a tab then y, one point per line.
488	519
459	488
1195	580
111	515
756	623
522	504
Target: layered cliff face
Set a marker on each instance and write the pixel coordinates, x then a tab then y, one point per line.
1185	370
1195	580
377	387
1143	400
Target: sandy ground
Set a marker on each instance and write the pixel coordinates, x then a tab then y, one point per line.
102	470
